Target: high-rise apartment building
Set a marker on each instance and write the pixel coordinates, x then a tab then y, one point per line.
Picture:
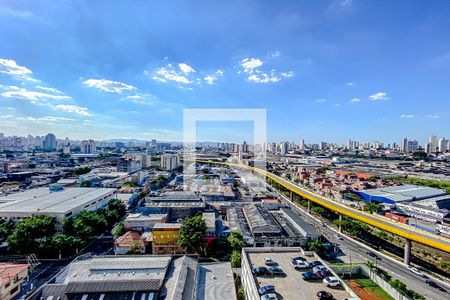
88	146
404	145
442	145
50	142
170	161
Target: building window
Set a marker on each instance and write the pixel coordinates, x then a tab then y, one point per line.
14	290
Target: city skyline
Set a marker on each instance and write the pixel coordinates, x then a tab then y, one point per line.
344	78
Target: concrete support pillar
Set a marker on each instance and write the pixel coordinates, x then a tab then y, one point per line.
309	206
407	255
340	221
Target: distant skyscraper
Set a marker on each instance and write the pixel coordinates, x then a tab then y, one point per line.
442	145
404	145
412	146
170	161
302	145
50	142
88	147
434	143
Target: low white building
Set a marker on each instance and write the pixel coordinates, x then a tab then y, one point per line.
59	204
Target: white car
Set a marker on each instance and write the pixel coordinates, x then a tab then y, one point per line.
299	264
271	296
269	261
416	271
331	281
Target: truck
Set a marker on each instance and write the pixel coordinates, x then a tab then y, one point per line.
397	218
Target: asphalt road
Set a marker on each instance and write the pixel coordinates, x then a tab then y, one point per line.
354	252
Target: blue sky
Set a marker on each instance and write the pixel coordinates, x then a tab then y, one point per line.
324	70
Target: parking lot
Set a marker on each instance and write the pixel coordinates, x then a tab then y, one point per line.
292	286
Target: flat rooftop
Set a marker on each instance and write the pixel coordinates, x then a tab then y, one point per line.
292	286
405	192
44	200
215	281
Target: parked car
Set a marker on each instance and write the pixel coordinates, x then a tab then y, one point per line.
267	289
275	271
435	285
416	271
309	276
299	258
324	273
271	296
269	262
318	268
299	264
324	295
331	281
260	271
315	264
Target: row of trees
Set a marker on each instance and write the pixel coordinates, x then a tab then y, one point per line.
38	234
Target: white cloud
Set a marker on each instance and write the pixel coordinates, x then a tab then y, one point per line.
45	119
169	73
11	68
345	2
321	100
22	93
433	116
261	77
355	100
48	89
183	74
275	53
109	86
288	74
250	64
405	116
251	67
350	84
134	97
379	96
72	109
185	68
211	78
337	105
87	122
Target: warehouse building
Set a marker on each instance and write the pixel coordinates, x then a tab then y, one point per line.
401	193
142	277
59	204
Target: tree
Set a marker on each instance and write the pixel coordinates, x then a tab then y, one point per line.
235	259
65	245
82	170
85	183
6	228
236	240
192	234
373	207
135	247
67	226
114	212
315	246
118	230
32	234
353	227
89	223
219	248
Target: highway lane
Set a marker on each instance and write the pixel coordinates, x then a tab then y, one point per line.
354	253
